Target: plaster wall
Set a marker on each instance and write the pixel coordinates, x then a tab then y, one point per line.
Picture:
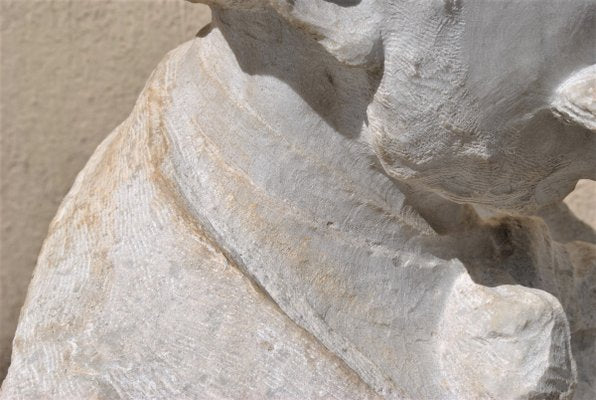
582	201
70	71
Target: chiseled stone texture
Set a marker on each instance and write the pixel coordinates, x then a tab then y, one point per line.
70	72
333	199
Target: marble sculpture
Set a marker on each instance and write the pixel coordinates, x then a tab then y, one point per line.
345	199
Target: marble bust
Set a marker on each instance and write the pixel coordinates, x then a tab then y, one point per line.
348	199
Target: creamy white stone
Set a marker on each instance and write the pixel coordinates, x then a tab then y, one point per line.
290	212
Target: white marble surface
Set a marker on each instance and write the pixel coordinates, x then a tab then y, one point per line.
333	199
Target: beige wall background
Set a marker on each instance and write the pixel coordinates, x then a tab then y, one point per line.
70	71
582	201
